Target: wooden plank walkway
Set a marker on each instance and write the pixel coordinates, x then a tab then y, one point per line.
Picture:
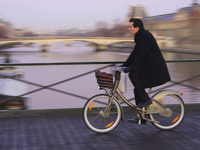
63	132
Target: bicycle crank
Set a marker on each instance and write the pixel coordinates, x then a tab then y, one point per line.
150	120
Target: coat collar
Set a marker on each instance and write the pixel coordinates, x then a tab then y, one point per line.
138	35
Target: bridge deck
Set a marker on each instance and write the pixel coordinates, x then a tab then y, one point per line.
63	132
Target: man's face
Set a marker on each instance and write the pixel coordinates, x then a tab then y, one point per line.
131	29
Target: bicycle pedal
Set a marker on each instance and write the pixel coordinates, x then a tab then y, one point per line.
139	122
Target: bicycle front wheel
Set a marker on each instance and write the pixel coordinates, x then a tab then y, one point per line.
100	115
173	114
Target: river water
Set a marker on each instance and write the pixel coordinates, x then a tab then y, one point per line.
86	86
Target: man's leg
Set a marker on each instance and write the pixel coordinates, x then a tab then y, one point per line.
137	101
137	98
139	91
141	96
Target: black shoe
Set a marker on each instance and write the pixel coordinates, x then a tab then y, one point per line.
142	104
136	121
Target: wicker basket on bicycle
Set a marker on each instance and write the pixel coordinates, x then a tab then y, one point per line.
104	80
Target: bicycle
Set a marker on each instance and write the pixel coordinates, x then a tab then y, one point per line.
103	112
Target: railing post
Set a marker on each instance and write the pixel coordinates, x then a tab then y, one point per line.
101	47
44	47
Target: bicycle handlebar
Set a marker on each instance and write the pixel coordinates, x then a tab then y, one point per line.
118	68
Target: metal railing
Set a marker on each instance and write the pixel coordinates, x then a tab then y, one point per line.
107	64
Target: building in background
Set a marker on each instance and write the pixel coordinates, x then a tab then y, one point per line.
137	11
182	26
5	29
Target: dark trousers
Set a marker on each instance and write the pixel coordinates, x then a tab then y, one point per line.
139	90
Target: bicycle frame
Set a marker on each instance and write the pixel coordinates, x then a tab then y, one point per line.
156	107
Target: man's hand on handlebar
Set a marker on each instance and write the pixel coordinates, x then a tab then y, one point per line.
122	68
127	69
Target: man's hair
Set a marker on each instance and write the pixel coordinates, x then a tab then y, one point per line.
137	23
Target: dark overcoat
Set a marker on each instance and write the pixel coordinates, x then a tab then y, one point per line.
146	61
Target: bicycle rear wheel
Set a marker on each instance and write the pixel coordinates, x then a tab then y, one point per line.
100	118
173	114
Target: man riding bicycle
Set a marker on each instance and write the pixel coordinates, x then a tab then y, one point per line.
145	65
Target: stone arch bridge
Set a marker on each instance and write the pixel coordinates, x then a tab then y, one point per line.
100	43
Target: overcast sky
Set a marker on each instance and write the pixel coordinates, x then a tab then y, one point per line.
65	14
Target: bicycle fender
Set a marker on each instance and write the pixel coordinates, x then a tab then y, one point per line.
155	107
162	94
